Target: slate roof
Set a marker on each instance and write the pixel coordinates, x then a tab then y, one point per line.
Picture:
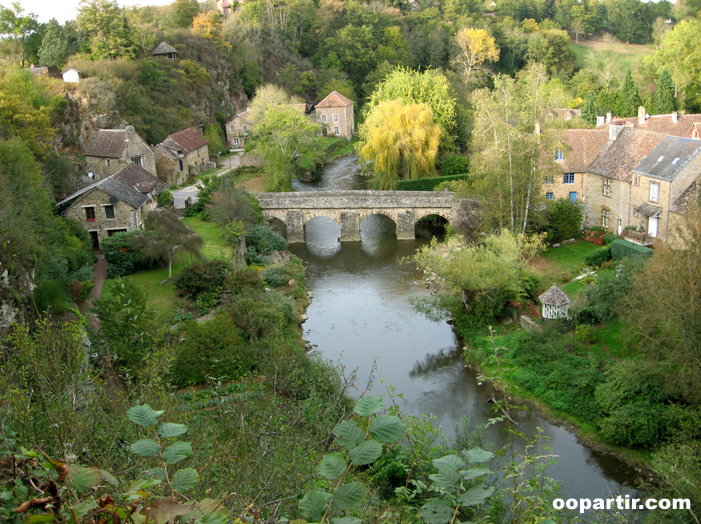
164	48
334	99
662	124
173	152
132	185
669	157
649	210
620	156
691	195
187	139
554	297
584	144
107	143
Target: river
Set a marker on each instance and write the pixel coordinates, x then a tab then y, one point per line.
361	317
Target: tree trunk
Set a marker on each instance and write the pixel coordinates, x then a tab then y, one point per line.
240	252
170	267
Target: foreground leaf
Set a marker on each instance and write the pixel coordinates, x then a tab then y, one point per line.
146	447
366	453
158	473
168	429
348	434
332	466
177	452
313	505
349	496
346	520
144	415
435	511
367	406
446	479
184	479
473	473
82	479
386	428
449	461
478	455
160	511
476	495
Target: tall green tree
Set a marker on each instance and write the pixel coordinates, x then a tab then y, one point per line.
55	47
400	140
628	100
665	101
16	29
184	11
589	109
104	24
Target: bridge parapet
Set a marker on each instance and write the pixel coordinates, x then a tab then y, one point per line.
349	208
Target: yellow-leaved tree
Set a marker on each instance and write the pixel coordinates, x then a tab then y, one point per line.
476	47
400	140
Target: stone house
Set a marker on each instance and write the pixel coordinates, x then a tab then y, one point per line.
110	150
610	179
238	129
335	112
574	151
165	50
171	164
661	183
115	203
191	147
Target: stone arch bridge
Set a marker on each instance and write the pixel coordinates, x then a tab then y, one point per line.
350	208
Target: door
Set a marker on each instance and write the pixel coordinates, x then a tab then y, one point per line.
619	226
573	196
652	227
95	240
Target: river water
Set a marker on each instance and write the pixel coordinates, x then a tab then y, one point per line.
361	318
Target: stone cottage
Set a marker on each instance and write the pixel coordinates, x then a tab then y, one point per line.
191	147
238	129
115	203
171	164
110	150
335	112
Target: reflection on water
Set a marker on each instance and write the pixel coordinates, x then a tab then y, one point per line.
361	316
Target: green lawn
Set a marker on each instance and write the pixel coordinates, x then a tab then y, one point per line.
629	54
163	298
610	341
555	262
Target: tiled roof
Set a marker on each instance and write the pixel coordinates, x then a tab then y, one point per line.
662	123
173	152
107	143
554	297
669	157
131	185
584	145
187	139
334	99
620	156
164	48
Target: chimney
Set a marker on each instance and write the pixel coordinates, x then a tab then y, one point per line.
130	132
641	115
600	121
609	116
614	131
675	117
536	131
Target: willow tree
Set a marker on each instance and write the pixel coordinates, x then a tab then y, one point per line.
509	158
400	140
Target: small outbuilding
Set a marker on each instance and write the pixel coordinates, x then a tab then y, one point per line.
166	50
555	303
71	75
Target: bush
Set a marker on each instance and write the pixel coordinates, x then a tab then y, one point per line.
564	219
260	242
259	314
622	248
212	349
208	300
606	297
79	291
595	235
609	238
598	257
165	198
121	255
244	279
275	276
202	277
585	333
426	183
51	297
454	165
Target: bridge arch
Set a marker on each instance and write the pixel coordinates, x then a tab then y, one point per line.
431	212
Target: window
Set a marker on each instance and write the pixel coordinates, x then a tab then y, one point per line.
559	155
636	180
549	180
335	131
654	192
236	141
323	119
607	187
90	214
568	178
245	130
181	165
335	118
550	196
605	215
232	129
573	196
138	160
108	162
109	212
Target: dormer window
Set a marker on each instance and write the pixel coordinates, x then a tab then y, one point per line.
559	155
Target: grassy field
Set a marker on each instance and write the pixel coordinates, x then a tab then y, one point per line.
630	54
164	298
556	263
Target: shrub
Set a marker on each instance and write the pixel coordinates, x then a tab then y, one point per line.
275	276
208	300
243	279
609	238
598	257
595	235
165	198
622	248
564	219
212	349
51	297
260	314
585	333
454	165
79	291
427	183
260	242
202	277
121	255
606	297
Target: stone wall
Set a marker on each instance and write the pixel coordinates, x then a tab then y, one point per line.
561	190
234	129
198	158
168	168
617	204
345	116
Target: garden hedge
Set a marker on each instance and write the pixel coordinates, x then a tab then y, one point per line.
428	183
622	248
